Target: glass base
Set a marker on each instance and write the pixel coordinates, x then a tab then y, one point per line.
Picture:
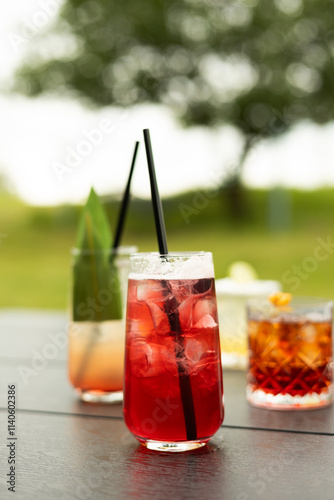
173	447
310	401
100	396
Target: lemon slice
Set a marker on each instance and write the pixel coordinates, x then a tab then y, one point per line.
280	298
242	272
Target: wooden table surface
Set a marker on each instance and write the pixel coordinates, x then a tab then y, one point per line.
69	450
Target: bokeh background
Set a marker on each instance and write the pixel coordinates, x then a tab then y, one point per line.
238	99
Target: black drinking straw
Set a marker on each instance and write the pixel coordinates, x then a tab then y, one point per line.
118	235
125	203
171	305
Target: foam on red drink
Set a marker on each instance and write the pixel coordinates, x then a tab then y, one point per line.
156	357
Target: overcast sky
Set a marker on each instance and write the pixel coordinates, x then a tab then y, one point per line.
54	150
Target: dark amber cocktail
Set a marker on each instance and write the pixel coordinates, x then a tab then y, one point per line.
290	354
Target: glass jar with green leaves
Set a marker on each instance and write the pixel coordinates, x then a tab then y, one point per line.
97	307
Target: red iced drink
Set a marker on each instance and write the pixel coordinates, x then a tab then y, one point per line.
172	337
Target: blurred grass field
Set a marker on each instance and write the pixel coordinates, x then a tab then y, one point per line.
281	229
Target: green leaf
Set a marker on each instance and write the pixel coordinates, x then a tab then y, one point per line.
96	285
94	232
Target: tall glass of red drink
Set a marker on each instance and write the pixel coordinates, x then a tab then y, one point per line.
173	388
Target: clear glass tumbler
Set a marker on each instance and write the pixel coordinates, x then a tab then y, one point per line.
173	389
290	354
97	323
232	297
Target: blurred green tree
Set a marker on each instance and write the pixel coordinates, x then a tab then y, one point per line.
258	65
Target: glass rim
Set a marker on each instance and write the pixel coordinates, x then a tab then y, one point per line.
297	301
121	250
180	254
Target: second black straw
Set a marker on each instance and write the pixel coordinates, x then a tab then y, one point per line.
171	304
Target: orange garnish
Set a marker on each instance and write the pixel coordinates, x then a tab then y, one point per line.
280	298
